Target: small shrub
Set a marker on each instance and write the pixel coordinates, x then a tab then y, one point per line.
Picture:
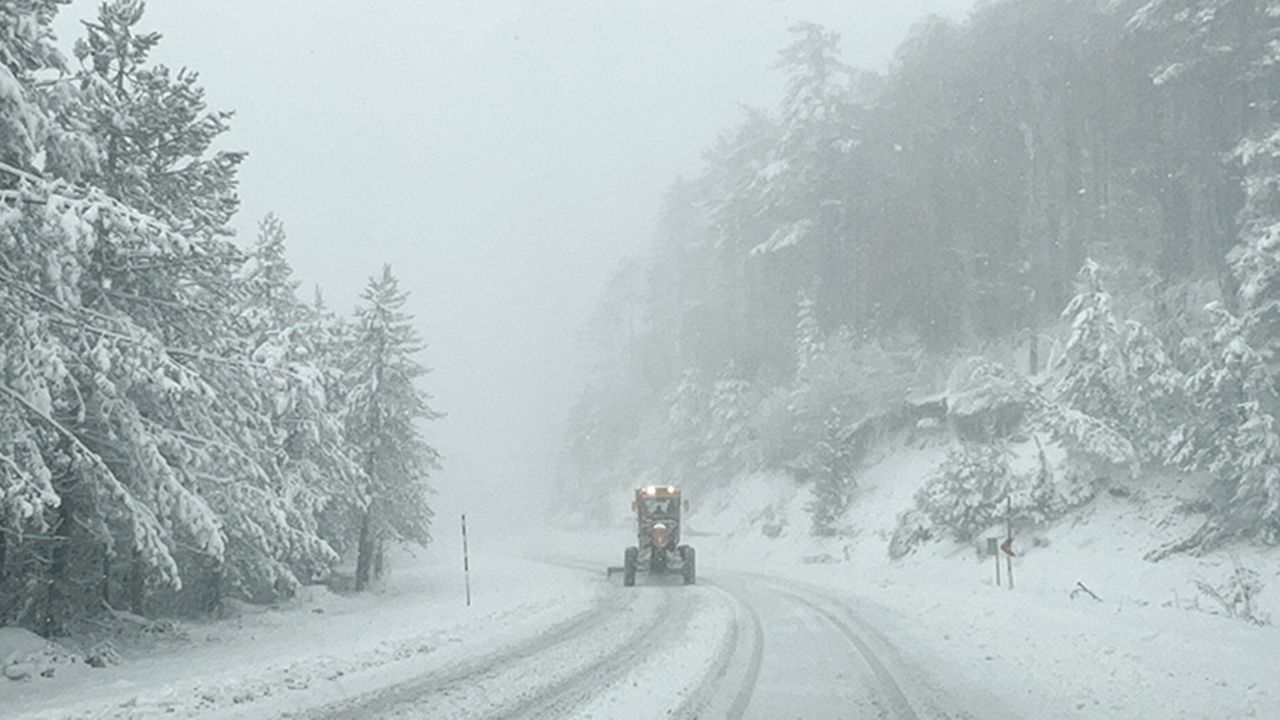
913	530
964	495
1237	596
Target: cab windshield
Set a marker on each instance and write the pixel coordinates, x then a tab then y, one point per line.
660	506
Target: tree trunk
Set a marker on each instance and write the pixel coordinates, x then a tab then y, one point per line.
1033	353
56	599
137	584
106	575
212	598
364	553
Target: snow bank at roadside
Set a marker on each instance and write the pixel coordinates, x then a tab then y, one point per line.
317	648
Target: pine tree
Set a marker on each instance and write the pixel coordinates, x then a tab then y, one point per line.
1233	434
1091	370
152	133
384	410
306	449
730	447
809	343
153	128
831	473
1119	375
685	430
26	49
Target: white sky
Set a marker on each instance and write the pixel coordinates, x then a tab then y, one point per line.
502	155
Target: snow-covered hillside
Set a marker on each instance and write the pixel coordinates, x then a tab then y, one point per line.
1156	641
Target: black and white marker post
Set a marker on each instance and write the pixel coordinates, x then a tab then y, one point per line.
466	565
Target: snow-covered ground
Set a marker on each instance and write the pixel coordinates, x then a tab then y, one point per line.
1154	643
546	632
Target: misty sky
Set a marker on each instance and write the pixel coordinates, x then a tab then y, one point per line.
502	155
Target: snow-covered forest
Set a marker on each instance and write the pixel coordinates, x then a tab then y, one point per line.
1046	235
177	424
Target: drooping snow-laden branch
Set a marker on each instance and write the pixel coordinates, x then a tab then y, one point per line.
78	323
57	192
144	524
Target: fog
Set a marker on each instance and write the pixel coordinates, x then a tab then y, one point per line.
502	155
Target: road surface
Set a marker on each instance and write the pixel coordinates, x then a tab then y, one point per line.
736	645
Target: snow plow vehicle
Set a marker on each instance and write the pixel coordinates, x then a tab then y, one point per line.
658	550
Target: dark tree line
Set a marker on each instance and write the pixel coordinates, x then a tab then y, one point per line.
839	251
176	424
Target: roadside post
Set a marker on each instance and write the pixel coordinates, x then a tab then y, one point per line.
993	549
1007	545
466	564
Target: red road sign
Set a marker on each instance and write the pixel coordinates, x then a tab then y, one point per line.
1007	546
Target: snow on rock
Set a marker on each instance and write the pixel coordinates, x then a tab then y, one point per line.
25	655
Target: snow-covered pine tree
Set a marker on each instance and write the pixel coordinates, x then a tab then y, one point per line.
26	492
831	472
809	343
270	301
307	451
965	494
1158	391
1237	389
330	340
26	49
1232	433
1117	374
729	444
1091	371
153	128
152	134
384	410
171	271
63	498
795	188
685	431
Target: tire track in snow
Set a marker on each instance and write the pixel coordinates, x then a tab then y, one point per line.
498	684
726	690
727	674
563	698
901	706
911	692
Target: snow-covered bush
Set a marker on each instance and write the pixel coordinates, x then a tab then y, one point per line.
966	495
1094	451
976	488
914	529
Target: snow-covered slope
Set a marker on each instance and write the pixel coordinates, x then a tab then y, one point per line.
1156	641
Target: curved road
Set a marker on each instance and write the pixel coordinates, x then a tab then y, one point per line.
734	646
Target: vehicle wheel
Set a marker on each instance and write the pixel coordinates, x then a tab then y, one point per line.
629	558
658	561
690	566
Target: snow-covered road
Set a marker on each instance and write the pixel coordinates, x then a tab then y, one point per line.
671	635
737	645
771	630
